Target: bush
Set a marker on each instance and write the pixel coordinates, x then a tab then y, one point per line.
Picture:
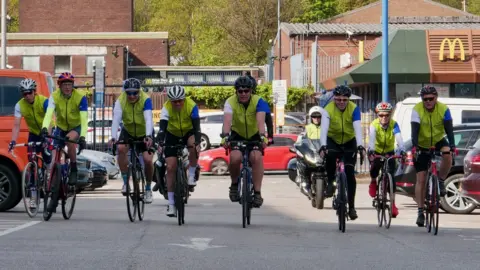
215	97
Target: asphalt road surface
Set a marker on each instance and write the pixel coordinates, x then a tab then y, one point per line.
286	233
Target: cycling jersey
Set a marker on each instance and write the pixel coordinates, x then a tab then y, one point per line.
340	126
382	139
432	128
244	116
32	113
70	112
180	122
313	131
136	117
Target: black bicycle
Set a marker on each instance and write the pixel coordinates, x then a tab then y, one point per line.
135	197
182	190
245	182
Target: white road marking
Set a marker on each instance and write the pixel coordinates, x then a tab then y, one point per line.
200	244
18	228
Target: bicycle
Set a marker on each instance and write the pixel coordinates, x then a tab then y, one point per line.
182	190
245	187
60	174
383	201
432	188
339	201
32	177
134	199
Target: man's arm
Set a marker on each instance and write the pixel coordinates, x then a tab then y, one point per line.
164	117
117	118
415	121
325	127
49	113
227	118
357	125
147	115
448	125
262	109
196	124
16	124
373	138
398	137
269	123
84	116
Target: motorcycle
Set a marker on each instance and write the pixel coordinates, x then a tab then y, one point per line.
309	171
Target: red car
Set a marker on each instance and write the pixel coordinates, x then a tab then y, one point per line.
470	186
276	156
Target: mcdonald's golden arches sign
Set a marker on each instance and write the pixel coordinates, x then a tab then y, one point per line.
451	49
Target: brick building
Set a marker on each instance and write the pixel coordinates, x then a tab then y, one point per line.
96	31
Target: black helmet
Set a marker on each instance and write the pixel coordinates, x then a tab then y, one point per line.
342	90
254	82
243	82
131	84
427	89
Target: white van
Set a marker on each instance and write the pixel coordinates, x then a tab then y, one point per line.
464	110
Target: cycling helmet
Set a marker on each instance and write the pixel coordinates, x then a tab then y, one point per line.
342	90
27	85
243	82
132	84
66	77
176	92
426	90
384	107
315	110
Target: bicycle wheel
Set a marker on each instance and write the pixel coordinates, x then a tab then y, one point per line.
387	201
244	196
130	195
69	198
54	176
379	200
140	194
28	188
434	205
250	196
342	207
179	193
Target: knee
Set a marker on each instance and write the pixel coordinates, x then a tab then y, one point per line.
148	159
256	159
171	166
122	150
235	160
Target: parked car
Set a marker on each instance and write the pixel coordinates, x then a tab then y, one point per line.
11	167
99	176
104	159
276	158
453	202
470	186
84	173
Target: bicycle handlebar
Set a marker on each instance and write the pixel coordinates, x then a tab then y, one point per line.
29	144
242	145
66	139
131	142
362	157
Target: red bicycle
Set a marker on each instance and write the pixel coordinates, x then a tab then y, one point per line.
59	181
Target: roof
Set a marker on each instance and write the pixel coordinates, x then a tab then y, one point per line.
397	23
380	3
87	36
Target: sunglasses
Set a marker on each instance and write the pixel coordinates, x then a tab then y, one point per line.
178	101
428	99
243	91
383	115
316	116
342	100
135	93
27	93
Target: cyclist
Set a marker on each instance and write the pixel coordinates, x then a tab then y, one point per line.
70	107
244	119
342	131
312	130
32	107
179	120
431	120
383	134
134	109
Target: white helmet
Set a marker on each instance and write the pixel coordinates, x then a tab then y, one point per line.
176	92
27	85
315	110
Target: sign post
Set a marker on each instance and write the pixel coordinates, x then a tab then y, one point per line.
279	88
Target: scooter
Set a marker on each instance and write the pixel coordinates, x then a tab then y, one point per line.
309	171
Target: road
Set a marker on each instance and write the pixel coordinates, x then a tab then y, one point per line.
286	233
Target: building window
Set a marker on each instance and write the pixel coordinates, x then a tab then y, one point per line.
31	63
98	62
443	89
63	64
464	90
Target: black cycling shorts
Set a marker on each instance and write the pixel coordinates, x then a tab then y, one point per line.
377	164
234	136
124	136
171	140
421	164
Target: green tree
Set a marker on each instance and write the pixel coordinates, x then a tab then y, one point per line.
315	10
12	11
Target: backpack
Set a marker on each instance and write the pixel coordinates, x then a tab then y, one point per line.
325	98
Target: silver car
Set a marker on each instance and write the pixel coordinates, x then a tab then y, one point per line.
105	159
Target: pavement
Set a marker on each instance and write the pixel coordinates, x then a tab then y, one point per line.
286	233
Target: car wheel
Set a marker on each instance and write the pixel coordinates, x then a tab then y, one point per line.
10	194
204	143
454	202
219	167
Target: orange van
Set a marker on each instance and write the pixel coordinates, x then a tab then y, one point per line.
12	167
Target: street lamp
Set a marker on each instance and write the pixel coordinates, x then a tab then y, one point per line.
4	34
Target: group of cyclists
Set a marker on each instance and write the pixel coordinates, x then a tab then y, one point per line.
247	117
